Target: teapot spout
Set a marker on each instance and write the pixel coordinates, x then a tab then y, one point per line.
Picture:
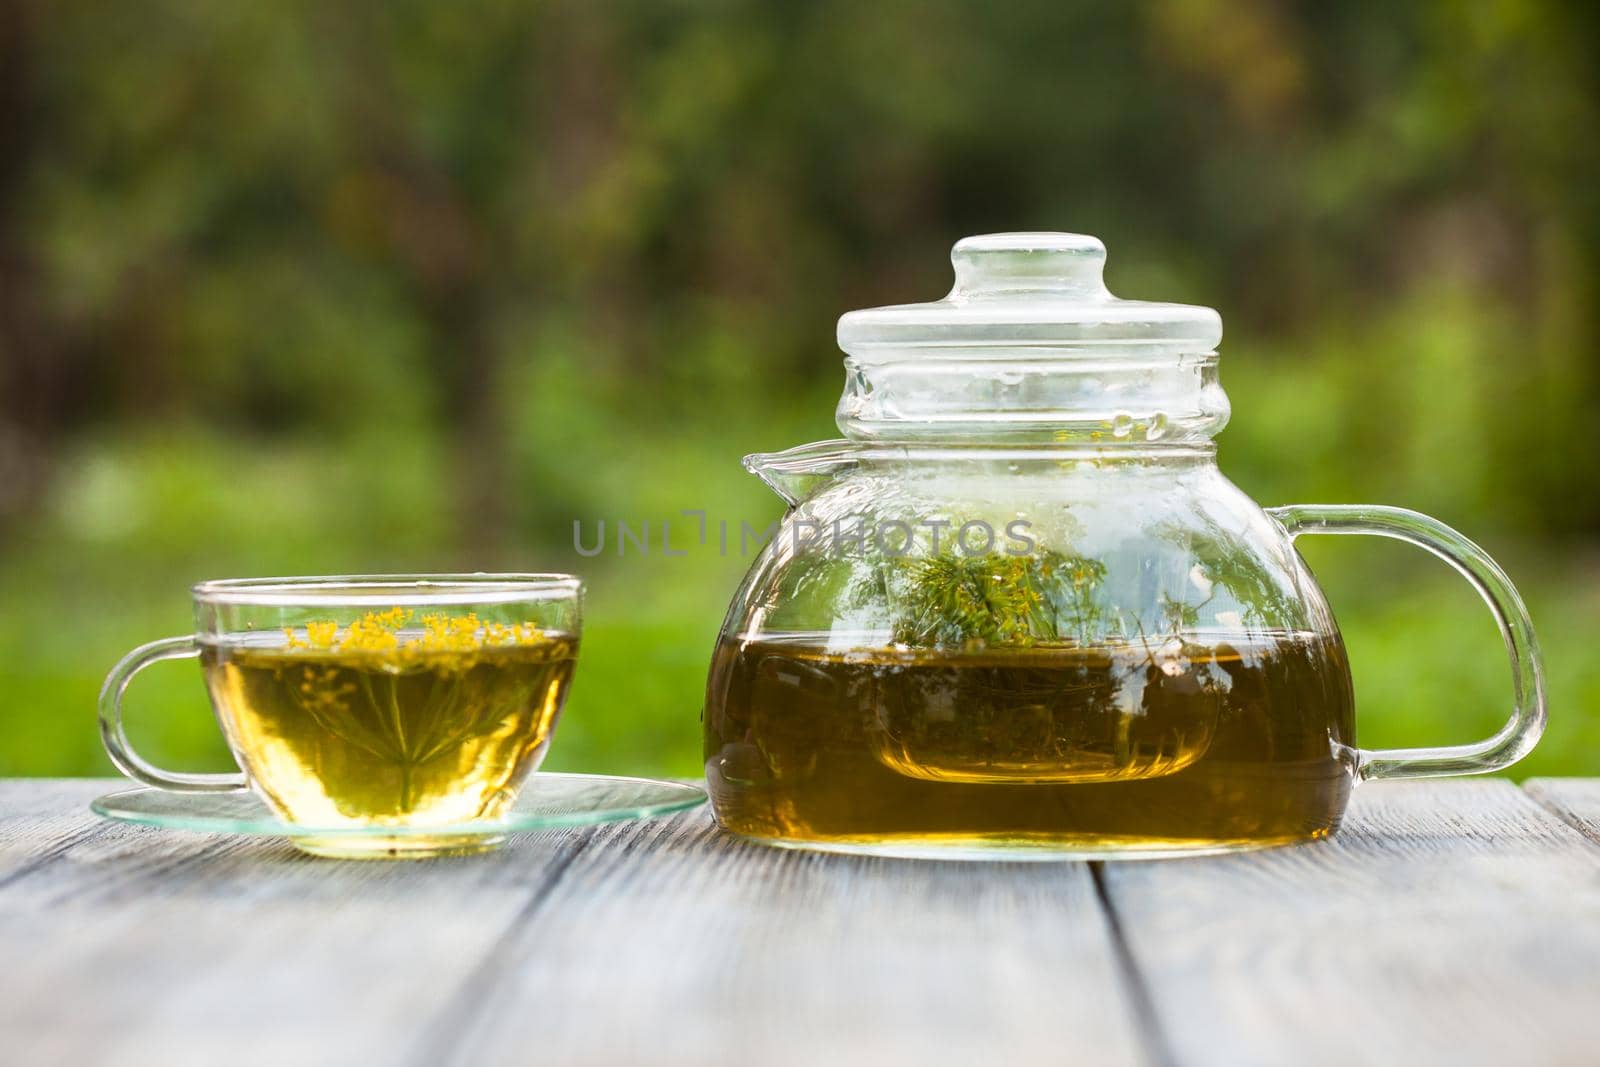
796	473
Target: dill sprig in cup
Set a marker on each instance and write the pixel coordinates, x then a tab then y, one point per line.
374	702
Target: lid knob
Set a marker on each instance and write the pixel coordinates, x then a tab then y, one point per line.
1008	264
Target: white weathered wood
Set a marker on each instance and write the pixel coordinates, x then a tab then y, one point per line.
674	943
135	946
1449	922
660	942
1575	800
41	820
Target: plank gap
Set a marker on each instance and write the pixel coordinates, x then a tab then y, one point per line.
1152	1035
1448	921
1563	797
440	1043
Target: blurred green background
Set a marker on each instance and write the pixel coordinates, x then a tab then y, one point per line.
314	288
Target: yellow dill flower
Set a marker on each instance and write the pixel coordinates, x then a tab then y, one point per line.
321	634
373	632
445	633
379	633
394	618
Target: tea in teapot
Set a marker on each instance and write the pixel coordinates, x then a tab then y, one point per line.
1021	612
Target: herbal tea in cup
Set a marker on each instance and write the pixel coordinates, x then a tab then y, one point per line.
374	702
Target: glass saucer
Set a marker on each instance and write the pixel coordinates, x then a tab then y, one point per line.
546	801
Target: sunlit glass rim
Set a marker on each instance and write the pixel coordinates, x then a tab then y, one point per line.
358	590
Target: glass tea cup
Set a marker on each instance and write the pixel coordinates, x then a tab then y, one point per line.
366	703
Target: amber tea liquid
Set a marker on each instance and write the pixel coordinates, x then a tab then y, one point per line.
1144	746
409	735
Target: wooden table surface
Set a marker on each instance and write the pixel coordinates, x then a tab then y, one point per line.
1448	922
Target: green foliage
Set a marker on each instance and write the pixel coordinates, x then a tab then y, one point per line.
956	600
300	287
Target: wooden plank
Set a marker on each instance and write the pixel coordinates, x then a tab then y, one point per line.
673	943
136	946
1449	922
1575	800
655	942
41	820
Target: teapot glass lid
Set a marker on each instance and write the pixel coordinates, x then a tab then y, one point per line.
1029	290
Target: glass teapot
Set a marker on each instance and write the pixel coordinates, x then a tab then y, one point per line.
1021	611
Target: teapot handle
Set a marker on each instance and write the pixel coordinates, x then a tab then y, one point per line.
1521	732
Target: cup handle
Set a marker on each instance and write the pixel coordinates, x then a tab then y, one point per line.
121	752
1521	732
